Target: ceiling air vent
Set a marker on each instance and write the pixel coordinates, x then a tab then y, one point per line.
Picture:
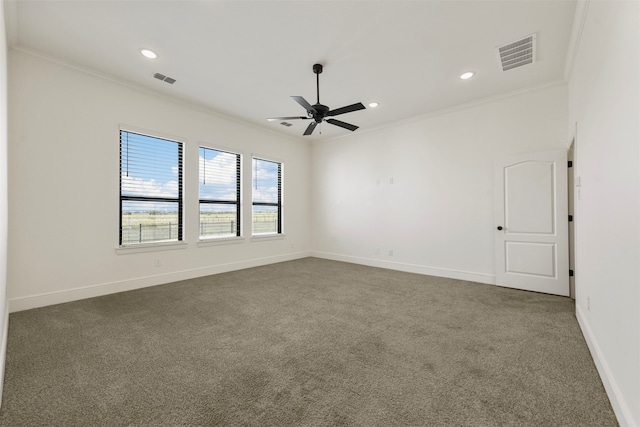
164	78
518	53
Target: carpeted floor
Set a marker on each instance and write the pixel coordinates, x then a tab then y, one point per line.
304	343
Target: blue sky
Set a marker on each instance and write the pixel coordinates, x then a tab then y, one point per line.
150	168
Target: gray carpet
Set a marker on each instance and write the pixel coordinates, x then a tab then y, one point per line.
304	343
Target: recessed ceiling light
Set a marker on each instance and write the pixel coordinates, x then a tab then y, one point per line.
373	104
467	75
149	53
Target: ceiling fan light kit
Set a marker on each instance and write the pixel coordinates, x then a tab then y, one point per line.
319	112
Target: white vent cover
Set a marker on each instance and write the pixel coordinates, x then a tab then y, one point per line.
518	53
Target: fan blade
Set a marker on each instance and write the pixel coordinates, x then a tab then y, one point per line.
347	109
273	119
342	124
310	128
303	102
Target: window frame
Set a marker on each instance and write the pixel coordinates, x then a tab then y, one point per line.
278	204
179	199
237	202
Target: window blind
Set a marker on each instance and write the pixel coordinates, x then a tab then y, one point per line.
151	199
219	193
267	196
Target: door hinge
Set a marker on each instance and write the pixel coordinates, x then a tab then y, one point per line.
570	273
570	218
570	163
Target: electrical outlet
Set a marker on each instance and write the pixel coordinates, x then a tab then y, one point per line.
391	252
588	304
377	251
158	263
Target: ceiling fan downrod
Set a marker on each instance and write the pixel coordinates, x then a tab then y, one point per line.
317	68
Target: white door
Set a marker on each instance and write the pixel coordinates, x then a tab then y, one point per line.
531	230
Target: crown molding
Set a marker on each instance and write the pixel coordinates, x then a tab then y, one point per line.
579	18
139	88
11	22
453	109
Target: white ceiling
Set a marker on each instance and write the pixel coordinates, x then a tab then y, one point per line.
246	58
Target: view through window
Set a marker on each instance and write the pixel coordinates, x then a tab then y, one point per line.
150	189
267	197
219	190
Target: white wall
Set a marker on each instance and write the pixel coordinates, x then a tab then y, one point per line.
63	186
604	98
4	312
438	214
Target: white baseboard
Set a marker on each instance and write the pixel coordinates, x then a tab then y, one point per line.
3	347
618	403
68	295
489	279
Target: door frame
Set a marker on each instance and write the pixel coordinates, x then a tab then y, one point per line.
571	207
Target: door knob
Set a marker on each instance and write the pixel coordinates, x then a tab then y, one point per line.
499	227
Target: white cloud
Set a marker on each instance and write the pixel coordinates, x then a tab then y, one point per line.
265	181
219	170
267	195
140	187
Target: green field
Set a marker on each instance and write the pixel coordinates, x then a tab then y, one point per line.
141	227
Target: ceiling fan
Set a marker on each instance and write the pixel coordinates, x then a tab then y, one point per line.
318	112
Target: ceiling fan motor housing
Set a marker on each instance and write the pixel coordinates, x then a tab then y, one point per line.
321	112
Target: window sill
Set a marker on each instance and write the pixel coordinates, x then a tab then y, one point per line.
203	243
264	237
150	247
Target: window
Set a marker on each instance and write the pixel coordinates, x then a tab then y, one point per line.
150	189
267	197
219	189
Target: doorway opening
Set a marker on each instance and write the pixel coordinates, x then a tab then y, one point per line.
570	193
